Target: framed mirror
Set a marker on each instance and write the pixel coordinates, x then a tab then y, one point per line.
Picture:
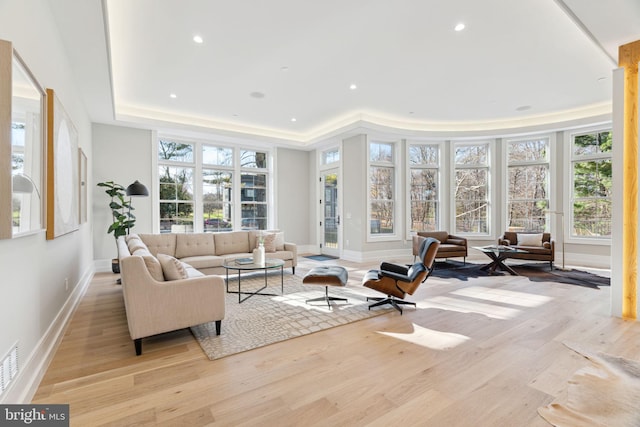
21	146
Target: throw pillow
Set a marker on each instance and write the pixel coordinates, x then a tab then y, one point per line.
152	264
135	244
279	241
172	268
268	241
529	239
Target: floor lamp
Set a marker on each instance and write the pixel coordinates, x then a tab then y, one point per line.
561	231
135	189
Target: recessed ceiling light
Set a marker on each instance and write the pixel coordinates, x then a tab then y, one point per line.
257	95
523	108
353	86
459	27
173	95
198	39
293	119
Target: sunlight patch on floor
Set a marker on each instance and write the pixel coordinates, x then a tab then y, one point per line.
522	299
435	340
464	306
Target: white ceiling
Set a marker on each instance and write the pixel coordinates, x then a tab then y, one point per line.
517	63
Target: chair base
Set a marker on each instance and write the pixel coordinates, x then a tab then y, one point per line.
327	298
396	303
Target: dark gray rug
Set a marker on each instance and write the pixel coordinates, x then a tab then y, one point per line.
536	272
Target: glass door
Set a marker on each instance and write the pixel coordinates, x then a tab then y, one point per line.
330	218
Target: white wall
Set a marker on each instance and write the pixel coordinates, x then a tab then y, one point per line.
292	181
32	289
123	155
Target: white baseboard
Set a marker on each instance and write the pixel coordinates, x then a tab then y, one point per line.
102	265
32	371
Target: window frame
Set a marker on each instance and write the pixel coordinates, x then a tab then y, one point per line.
549	219
438	167
235	169
394	164
569	180
490	162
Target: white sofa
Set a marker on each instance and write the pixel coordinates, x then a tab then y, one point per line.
155	305
170	281
207	251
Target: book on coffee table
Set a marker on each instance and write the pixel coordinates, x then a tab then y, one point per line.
241	261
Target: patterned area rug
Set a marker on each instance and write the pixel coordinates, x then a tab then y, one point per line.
262	320
605	393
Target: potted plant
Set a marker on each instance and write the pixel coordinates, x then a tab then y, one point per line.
123	219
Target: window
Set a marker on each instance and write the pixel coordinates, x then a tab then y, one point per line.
330	156
217	188
175	173
226	178
591	172
381	189
528	184
471	191
424	163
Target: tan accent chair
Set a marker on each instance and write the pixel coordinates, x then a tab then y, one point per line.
546	252
154	306
398	281
450	246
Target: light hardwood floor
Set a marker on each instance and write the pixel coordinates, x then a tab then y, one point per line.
482	352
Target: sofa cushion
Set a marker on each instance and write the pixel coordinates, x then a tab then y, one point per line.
194	244
445	247
172	268
283	255
135	244
537	250
530	239
204	261
458	242
160	243
152	263
231	242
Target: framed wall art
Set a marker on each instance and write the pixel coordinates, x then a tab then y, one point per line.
62	170
21	147
82	185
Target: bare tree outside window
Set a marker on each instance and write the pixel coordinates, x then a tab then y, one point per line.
528	185
424	187
471	189
381	188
